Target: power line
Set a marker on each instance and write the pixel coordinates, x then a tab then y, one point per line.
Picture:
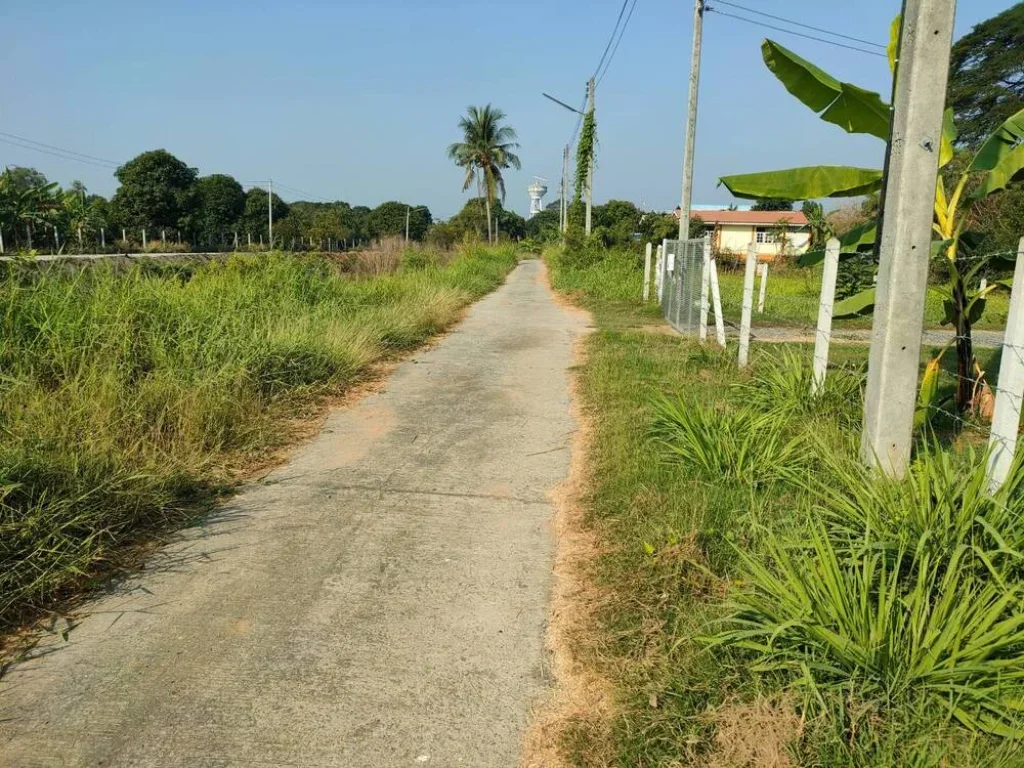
64	154
799	24
798	34
621	33
611	39
81	157
303	192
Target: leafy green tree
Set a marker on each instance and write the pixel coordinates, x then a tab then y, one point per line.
389	219
772	204
22	178
817	222
619	219
28	204
255	214
986	75
485	151
543	226
156	192
220	205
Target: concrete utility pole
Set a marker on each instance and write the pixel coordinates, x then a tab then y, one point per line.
270	212
905	233
407	210
563	206
590	165
1006	419
691	121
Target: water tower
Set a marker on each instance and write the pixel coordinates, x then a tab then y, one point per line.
536	191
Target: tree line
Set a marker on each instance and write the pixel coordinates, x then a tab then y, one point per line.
162	196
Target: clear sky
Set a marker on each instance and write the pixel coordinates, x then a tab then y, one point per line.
357	101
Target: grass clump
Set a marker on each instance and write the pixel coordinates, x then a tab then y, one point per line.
738	443
128	395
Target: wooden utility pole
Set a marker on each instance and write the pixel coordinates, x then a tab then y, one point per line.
590	165
691	121
905	233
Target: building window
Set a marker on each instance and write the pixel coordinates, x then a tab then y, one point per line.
771	234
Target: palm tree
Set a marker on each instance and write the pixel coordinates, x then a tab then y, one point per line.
485	149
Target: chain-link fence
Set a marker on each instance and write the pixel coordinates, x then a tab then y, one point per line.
682	266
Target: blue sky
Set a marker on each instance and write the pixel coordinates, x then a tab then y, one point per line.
358	100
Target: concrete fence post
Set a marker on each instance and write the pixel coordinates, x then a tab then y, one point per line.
163	236
660	277
705	285
823	336
143	239
763	292
124	237
103	238
1006	418
716	304
749	270
1	240
647	273
80	241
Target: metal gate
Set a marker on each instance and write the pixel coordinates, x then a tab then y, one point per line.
682	270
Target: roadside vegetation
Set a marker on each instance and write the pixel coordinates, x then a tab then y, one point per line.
130	395
766	601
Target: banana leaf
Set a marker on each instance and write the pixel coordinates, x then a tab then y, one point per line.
859	239
1003	141
1009	169
852	108
807	183
893	49
858	305
949	136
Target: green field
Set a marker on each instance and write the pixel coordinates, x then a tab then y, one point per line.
131	397
767	602
794	293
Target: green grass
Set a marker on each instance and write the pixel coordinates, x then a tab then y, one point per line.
883	619
129	397
793	295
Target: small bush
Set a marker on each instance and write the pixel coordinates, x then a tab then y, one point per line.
781	386
904	593
723	442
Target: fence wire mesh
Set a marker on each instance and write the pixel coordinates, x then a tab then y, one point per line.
681	274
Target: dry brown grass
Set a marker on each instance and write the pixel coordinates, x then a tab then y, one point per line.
754	734
578	713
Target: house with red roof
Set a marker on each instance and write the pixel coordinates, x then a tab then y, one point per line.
774	233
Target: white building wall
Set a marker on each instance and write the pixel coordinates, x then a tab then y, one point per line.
736	238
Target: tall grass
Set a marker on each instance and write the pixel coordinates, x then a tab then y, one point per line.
906	594
126	396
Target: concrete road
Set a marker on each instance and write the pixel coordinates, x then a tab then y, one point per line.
381	600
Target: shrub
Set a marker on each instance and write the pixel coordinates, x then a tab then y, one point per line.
781	386
724	442
904	593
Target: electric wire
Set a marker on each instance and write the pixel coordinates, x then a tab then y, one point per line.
798	34
62	154
70	154
798	24
622	32
611	39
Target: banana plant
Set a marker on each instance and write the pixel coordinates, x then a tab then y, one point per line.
998	163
